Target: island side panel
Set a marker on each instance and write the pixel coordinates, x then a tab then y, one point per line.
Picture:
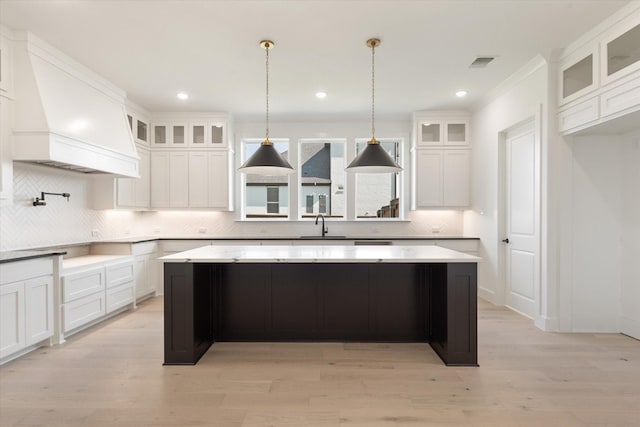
188	312
453	312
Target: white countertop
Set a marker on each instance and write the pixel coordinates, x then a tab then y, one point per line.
310	254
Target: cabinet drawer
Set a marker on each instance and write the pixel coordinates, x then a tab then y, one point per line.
78	285
119	274
120	296
83	311
21	270
578	115
620	98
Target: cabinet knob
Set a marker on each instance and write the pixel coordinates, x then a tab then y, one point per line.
505	240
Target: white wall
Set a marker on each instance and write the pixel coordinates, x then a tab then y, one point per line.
596	229
630	273
518	99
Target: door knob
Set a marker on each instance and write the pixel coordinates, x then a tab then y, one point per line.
506	240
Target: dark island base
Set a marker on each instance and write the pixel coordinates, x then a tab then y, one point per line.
430	303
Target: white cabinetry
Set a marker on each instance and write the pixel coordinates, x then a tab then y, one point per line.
129	193
6	63
442	178
26	304
209	179
146	269
441	160
93	287
599	78
170	179
190	130
187	178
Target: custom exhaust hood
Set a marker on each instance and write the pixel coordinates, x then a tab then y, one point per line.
67	116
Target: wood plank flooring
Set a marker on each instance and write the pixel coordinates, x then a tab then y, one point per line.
112	375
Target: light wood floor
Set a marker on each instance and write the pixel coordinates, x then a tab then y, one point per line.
112	375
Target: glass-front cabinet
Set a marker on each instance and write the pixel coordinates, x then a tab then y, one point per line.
578	74
169	134
442	131
621	50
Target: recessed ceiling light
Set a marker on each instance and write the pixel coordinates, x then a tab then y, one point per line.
321	94
461	93
182	95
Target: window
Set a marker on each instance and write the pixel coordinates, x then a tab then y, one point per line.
265	196
322	202
309	204
273	200
378	195
322	177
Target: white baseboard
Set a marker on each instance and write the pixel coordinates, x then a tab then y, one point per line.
487	294
629	326
547	324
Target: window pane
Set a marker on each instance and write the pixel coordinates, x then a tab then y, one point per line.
309	204
322	178
377	195
266	196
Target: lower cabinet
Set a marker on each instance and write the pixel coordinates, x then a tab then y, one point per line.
26	304
93	291
146	269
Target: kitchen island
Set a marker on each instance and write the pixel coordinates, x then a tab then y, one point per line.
320	293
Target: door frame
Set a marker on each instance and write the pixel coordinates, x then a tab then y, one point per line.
533	120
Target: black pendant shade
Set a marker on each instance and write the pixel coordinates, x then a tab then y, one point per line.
266	161
373	159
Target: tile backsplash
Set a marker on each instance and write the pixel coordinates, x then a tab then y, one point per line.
23	225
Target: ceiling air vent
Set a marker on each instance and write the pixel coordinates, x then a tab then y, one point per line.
481	61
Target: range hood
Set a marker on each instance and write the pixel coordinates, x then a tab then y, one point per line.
67	116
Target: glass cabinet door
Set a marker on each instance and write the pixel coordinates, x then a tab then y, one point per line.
197	134
179	134
141	130
623	52
430	133
577	77
159	134
216	134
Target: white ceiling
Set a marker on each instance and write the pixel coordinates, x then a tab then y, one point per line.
153	49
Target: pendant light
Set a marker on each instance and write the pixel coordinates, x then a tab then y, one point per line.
374	158
266	160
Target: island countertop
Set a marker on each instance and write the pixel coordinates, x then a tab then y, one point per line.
320	254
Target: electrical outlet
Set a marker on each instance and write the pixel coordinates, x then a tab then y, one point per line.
156	230
95	233
435	229
202	230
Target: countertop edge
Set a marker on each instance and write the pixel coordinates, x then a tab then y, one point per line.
14	256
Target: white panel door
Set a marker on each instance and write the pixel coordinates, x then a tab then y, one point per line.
12	318
39	309
522	220
160	178
218	180
199	179
179	179
456	177
429	173
142	186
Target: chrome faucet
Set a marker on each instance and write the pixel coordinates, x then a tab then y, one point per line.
324	230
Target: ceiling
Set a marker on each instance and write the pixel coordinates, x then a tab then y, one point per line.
210	49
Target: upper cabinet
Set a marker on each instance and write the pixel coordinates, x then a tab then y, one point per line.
441	159
138	119
599	80
438	130
190	130
620	49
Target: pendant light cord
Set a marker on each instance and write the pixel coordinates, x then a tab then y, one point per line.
373	91
267	47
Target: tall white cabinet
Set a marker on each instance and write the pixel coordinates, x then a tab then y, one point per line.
441	159
193	171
